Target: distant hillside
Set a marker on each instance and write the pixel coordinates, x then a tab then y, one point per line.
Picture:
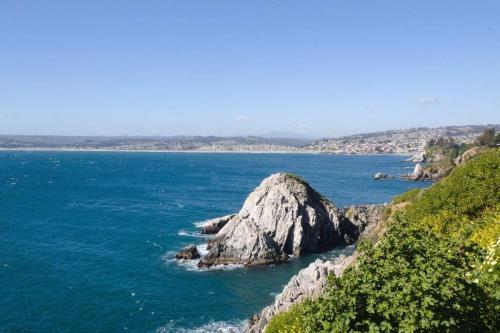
176	143
387	142
397	141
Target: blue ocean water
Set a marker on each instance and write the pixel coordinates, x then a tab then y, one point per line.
87	237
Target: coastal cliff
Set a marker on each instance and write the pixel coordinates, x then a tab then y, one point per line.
308	283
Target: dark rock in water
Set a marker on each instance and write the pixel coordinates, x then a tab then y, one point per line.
379	175
188	253
214	226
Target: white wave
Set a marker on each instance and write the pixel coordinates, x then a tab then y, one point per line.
195	234
192	265
202	249
211	327
220	267
153	243
200	224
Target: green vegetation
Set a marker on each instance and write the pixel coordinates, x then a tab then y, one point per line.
408	196
288	322
434	270
297	178
312	192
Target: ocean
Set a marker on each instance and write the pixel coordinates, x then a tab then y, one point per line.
87	238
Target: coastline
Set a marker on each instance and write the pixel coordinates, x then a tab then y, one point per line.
2	149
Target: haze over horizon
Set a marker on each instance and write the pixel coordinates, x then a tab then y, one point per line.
314	69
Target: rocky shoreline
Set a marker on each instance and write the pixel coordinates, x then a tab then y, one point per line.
283	217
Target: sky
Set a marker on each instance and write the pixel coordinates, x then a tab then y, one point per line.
316	68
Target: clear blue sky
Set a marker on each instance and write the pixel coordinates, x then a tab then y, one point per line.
321	68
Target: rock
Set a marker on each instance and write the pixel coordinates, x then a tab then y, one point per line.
467	155
310	283
188	253
417	172
283	216
379	175
213	226
361	220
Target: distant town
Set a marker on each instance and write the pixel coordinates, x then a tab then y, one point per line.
405	141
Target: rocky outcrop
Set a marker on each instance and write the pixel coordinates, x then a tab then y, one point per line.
309	283
380	175
361	220
469	154
213	226
189	252
418	172
283	216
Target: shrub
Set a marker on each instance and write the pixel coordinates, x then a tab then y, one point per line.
287	322
408	196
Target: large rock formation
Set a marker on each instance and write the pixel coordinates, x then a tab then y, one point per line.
283	216
309	283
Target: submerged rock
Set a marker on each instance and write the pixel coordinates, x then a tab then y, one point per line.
213	226
283	216
309	283
188	253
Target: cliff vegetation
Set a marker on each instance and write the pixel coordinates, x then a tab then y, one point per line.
435	269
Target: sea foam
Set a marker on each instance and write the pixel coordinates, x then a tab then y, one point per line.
211	327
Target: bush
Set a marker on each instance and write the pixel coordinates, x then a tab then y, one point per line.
287	322
412	281
408	196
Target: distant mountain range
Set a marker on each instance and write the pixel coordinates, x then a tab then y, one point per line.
394	141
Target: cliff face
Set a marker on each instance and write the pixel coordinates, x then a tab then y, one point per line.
309	283
283	216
